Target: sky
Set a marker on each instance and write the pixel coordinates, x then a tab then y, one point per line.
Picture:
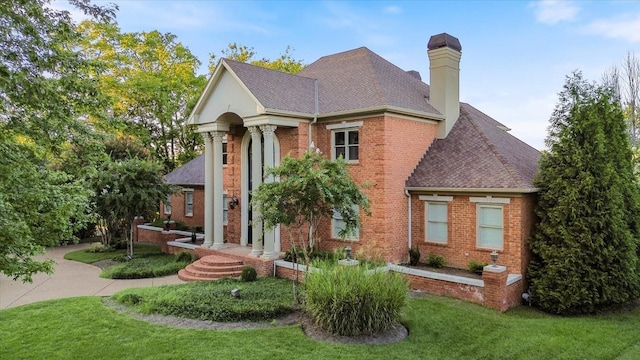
515	54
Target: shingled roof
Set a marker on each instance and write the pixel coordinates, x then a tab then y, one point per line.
352	80
478	153
276	90
189	174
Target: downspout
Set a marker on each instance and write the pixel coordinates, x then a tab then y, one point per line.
315	114
406	192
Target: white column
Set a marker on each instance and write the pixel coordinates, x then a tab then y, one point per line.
269	161
256	180
218	195
208	190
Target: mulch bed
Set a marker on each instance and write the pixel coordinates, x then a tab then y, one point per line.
396	333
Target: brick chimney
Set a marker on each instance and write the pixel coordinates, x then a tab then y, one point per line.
444	58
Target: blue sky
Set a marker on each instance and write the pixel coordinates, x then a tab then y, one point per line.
515	54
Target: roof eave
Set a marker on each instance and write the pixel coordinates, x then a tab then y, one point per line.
473	190
382	109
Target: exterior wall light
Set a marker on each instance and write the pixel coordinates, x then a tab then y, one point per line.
494	257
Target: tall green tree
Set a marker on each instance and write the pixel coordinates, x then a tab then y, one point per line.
242	53
584	248
152	82
45	93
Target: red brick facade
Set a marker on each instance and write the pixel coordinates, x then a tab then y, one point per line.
178	212
461	247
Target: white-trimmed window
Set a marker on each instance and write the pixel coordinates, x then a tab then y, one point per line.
167	205
490	221
338	224
188	202
436	221
436	218
225	209
224	152
345	141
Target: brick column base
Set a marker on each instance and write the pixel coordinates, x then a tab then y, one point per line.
495	287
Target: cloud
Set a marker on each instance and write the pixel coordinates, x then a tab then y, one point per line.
393	10
554	11
625	27
364	26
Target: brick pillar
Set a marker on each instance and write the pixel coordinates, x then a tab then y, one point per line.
139	220
495	287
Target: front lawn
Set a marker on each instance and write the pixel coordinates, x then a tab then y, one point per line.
439	328
87	257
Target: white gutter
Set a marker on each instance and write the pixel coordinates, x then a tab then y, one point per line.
406	192
315	114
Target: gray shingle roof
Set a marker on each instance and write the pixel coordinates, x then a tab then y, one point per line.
347	81
191	173
275	89
361	79
477	153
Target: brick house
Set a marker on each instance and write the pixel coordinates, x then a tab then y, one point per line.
444	177
187	204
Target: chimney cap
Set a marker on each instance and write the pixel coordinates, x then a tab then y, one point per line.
444	40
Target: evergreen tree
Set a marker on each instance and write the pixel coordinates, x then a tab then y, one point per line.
584	246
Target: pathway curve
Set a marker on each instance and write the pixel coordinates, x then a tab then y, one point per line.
70	279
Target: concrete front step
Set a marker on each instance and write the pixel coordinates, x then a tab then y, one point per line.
211	267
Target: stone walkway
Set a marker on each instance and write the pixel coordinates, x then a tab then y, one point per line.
70	279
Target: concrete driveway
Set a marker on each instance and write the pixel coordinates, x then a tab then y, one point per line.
70	279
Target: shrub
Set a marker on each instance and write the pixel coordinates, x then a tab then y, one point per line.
476	267
350	300
437	261
145	266
98	247
262	300
414	256
248	274
184	256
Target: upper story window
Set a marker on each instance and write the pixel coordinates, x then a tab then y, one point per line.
345	141
188	202
346	144
490	222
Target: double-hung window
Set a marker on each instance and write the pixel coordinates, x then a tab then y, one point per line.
490	222
345	141
338	225
188	203
167	205
436	218
225	209
224	152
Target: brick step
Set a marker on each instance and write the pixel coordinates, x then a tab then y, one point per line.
216	260
220	273
188	275
211	267
215	268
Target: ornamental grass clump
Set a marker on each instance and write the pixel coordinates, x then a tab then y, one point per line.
351	300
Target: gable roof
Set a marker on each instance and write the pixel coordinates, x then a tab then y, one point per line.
478	153
276	90
191	173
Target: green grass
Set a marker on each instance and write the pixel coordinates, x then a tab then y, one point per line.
88	258
440	328
263	299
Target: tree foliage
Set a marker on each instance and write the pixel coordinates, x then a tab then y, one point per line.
241	53
152	84
44	94
124	189
309	189
584	248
